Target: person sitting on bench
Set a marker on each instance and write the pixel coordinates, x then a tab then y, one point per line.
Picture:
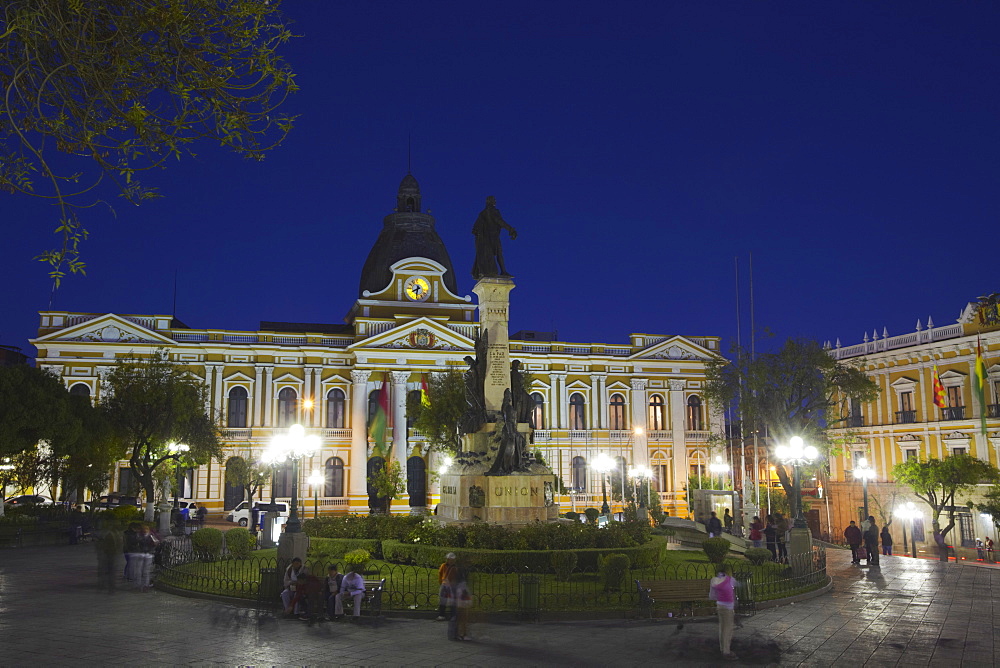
353	586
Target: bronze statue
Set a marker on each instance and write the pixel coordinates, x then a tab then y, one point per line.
475	388
487	229
512	455
521	398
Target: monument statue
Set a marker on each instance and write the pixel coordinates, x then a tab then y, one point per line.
489	254
512	456
521	399
475	387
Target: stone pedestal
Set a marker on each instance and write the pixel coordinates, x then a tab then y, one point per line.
517	499
799	547
292	545
494	302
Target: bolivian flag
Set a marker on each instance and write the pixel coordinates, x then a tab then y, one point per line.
979	384
425	394
939	399
377	428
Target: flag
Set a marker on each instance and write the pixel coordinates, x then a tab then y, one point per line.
979	384
425	394
939	399
377	428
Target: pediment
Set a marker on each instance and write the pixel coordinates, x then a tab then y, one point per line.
903	384
908	438
417	334
238	377
956	436
287	379
675	348
578	385
618	385
956	377
108	328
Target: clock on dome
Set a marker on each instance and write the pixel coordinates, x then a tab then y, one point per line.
417	289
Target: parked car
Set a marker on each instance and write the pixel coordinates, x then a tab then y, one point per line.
28	500
110	501
241	514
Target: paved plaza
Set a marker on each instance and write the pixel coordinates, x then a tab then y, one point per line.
909	613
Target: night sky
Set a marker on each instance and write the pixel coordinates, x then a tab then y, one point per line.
638	148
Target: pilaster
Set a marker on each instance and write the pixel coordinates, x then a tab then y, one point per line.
358	475
640	449
399	379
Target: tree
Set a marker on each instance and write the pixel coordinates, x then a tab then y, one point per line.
438	420
247	472
118	87
937	482
34	406
798	390
151	404
387	482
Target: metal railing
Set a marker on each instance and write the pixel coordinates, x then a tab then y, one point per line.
953	413
906	417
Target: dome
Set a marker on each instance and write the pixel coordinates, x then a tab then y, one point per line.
405	233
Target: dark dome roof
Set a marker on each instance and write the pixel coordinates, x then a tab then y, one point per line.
405	233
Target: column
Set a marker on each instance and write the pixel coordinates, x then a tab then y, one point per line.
208	389
640	449
557	409
357	488
599	409
494	305
307	394
219	405
677	426
258	398
268	399
399	379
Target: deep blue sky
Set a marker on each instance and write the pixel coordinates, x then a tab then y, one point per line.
637	147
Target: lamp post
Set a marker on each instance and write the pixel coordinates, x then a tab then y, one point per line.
865	473
294	445
719	468
908	513
797	454
176	449
602	464
315	480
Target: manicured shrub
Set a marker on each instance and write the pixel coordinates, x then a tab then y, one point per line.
332	550
563	563
395	527
126	513
758	555
715	549
614	568
572	516
357	560
592	515
240	543
207	543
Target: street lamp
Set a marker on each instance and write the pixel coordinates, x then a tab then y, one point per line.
797	454
865	473
294	445
909	512
315	480
176	449
602	464
719	468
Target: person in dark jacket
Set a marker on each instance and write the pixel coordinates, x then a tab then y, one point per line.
871	541
714	526
334	581
852	535
771	537
886	541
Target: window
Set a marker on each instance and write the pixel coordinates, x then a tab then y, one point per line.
856	457
127	485
659	477
909	453
282	480
577	414
955	396
580	474
617	412
959	451
335	401
237	413
372	405
286	407
185	483
80	390
655	422
334	477
955	410
906	414
855	418
412	399
694	413
906	401
537	411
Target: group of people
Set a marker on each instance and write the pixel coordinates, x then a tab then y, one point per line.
336	588
771	533
715	526
138	544
864	540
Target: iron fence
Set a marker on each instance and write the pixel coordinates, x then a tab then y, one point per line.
415	588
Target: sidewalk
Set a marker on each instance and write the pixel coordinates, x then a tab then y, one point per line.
910	612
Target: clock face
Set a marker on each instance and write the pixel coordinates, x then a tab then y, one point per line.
417	289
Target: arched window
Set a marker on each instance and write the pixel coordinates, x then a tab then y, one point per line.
694	413
537	410
334	477
617	412
372	405
655	413
283	480
236	416
335	409
286	407
580	474
80	390
577	412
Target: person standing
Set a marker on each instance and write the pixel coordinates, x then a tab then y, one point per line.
723	591
886	541
461	601
871	541
714	526
144	563
854	538
109	550
186	520
130	546
446	572
200	515
727	521
771	537
781	530
756	531
989	549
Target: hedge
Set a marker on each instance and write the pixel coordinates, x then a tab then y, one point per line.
333	549
509	561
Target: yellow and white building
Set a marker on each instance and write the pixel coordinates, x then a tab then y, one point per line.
903	422
640	401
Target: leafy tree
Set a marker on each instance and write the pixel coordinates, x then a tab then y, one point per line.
438	420
798	390
35	407
150	403
937	482
247	472
991	504
103	90
388	483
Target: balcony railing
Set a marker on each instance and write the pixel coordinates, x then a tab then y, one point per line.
337	433
231	434
993	410
697	435
906	417
953	413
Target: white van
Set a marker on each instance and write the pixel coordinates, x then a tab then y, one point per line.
242	513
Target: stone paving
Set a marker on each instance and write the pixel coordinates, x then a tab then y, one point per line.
911	612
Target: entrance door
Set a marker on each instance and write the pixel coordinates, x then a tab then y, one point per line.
232	494
375	464
416	481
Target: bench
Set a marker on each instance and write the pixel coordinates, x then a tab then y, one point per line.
373	596
685	592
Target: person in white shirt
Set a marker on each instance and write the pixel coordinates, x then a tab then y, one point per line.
353	586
